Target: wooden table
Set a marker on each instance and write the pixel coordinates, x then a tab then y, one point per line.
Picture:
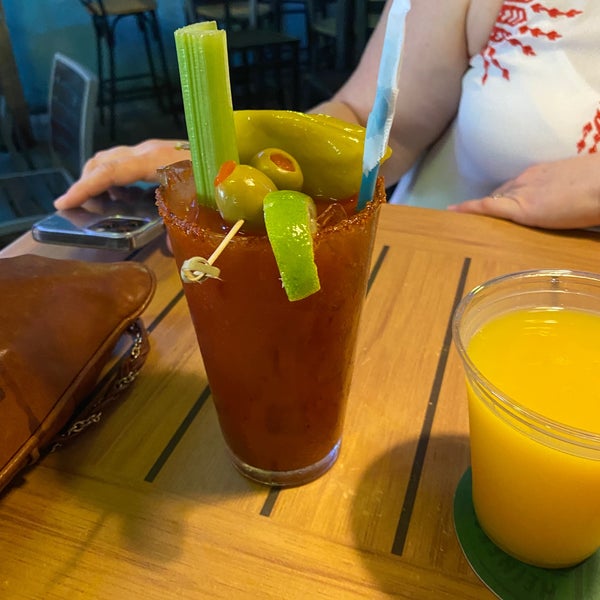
147	506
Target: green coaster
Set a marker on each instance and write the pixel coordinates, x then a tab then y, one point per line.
509	578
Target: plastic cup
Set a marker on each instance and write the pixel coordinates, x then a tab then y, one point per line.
534	412
279	371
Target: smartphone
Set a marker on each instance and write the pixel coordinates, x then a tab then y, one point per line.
126	223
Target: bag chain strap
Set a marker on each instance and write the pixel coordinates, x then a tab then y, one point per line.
128	369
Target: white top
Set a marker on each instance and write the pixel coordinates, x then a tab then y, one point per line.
532	95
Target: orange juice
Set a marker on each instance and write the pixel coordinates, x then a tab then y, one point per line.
536	488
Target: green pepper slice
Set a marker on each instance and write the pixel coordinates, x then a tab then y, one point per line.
328	150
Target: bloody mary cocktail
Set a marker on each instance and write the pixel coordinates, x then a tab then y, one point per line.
279	371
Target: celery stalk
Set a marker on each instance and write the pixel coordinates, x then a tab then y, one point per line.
204	73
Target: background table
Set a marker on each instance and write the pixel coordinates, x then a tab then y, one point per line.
147	505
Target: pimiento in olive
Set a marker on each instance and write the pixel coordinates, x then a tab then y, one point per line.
239	193
281	167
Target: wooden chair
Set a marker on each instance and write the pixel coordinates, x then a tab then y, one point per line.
106	14
26	196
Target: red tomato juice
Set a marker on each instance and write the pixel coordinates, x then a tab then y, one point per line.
279	371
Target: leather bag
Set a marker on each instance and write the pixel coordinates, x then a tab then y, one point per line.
61	321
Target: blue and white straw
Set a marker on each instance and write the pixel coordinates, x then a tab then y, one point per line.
380	119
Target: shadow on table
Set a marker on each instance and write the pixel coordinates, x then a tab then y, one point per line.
411	510
107	473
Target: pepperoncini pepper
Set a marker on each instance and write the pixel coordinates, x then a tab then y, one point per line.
328	150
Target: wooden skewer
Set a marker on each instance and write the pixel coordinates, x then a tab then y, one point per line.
197	268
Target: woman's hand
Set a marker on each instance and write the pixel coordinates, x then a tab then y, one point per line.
558	195
120	166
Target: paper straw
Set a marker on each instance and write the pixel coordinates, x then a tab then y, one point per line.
380	119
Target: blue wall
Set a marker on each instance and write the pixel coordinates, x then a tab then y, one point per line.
39	28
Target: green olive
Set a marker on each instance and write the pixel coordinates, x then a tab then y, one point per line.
239	193
281	167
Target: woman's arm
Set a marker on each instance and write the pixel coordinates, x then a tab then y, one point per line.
434	59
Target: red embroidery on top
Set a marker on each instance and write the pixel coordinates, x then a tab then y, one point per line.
590	136
513	18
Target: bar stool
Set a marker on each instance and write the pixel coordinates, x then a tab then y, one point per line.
106	14
229	15
331	36
261	57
